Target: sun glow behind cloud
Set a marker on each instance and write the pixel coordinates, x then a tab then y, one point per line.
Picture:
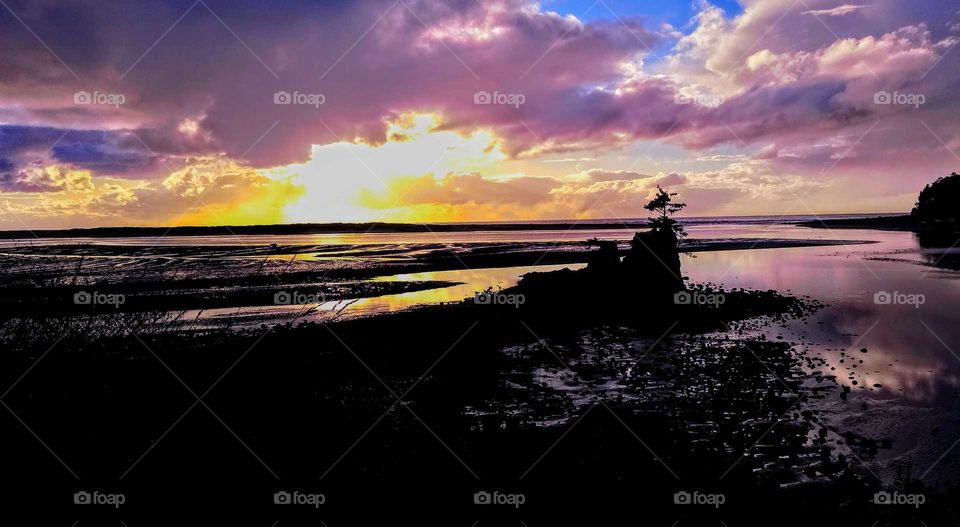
339	178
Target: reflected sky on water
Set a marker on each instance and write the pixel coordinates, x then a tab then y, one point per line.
880	297
911	341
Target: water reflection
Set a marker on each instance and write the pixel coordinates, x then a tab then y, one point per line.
883	300
469	282
904	387
911	346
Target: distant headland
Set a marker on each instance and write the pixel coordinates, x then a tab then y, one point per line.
937	209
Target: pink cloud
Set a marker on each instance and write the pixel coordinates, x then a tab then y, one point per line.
796	91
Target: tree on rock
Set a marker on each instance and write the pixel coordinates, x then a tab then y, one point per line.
653	264
664	207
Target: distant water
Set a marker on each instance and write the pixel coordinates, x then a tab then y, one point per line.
705	220
527	231
900	357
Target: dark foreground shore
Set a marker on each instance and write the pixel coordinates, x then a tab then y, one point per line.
575	394
575	411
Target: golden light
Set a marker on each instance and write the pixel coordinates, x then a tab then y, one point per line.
339	174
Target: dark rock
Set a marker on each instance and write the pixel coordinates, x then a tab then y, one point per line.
606	259
654	260
650	271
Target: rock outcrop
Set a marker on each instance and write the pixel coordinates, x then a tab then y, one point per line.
653	262
650	270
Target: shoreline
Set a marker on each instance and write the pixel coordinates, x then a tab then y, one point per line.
193	282
887	223
903	222
388	227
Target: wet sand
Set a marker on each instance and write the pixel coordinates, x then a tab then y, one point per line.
216	277
446	400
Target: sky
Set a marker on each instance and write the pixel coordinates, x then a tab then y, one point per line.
209	112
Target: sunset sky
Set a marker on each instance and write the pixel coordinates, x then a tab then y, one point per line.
240	112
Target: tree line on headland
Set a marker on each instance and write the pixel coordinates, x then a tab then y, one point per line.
937	211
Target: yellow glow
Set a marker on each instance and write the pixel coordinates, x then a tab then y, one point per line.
264	207
339	175
422	172
220	191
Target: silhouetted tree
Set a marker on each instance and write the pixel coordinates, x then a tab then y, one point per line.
664	207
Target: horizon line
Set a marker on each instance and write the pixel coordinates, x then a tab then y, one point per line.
571	222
